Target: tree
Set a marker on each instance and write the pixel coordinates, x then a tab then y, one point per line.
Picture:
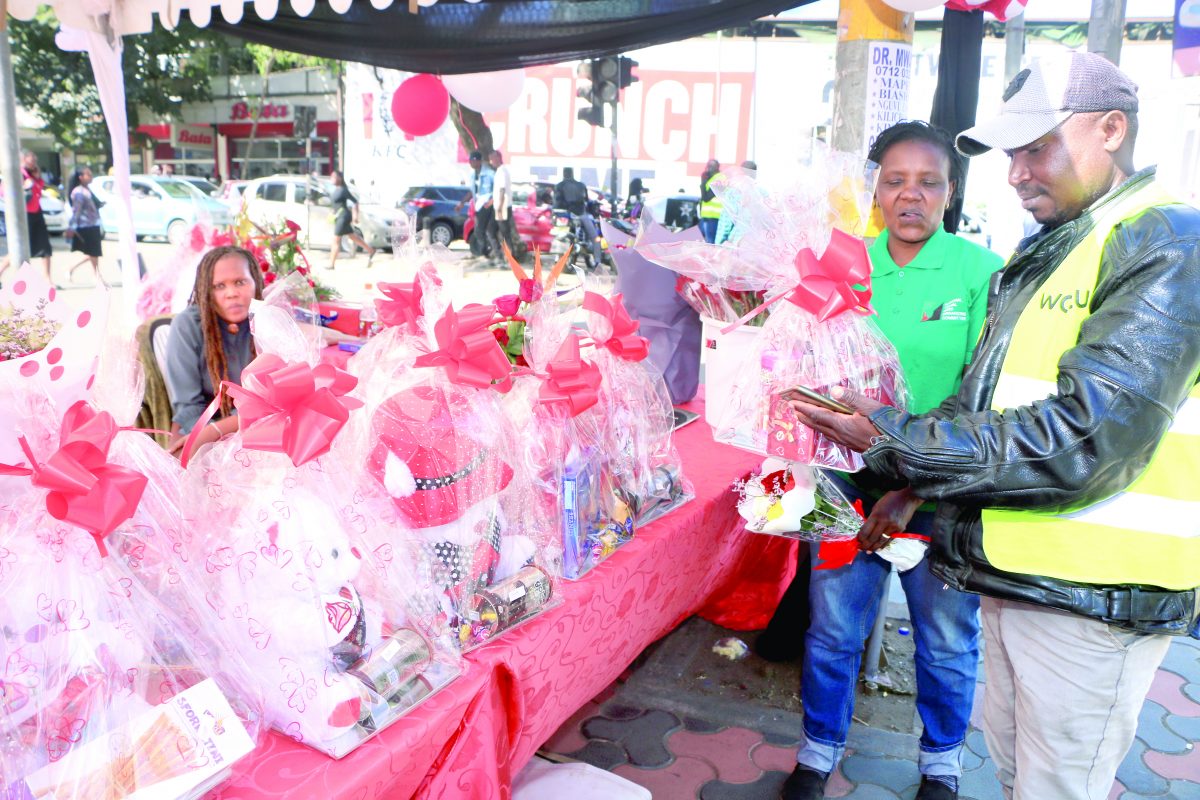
163	70
265	60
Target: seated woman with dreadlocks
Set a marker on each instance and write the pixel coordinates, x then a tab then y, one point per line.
210	342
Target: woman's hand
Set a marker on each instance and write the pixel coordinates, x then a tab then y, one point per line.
211	433
890	515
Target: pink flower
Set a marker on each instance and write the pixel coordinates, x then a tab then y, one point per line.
508	304
530	291
291	226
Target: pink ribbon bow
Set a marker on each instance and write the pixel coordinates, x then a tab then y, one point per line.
85	490
570	379
826	285
468	349
402	306
291	408
623	341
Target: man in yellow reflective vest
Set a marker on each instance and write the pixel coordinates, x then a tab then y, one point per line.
710	203
1064	468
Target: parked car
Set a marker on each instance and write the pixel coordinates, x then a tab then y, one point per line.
206	187
306	202
677	211
230	194
56	213
433	207
531	213
162	206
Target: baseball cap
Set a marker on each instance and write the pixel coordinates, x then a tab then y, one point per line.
1042	96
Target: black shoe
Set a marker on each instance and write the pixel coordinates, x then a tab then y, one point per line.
804	784
935	790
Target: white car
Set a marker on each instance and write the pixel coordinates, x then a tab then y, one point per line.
56	213
306	202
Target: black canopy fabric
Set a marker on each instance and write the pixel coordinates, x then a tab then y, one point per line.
454	36
957	95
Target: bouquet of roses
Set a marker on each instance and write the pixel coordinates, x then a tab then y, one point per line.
787	499
510	329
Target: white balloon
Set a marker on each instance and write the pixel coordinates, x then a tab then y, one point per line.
914	5
486	92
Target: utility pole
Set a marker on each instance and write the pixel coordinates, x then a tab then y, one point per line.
1014	46
10	154
1106	28
873	70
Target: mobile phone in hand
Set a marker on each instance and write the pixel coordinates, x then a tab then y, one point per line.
817	399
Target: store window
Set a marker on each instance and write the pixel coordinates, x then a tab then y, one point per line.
197	161
279	157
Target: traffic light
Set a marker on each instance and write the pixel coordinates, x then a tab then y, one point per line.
603	74
626	75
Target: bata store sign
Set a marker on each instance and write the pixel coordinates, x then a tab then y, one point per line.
667	117
193	136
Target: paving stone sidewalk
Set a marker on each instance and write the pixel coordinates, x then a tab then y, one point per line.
681	745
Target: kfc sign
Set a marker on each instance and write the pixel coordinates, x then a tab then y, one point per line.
192	136
241	110
667	117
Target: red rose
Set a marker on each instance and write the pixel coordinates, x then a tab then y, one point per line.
501	336
291	226
264	267
268	277
302	270
312	283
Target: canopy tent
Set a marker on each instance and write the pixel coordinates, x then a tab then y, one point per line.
449	37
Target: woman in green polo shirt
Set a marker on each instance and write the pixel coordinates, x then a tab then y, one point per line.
930	293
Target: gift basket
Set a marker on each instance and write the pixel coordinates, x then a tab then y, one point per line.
566	441
301	561
639	418
435	441
816	281
116	683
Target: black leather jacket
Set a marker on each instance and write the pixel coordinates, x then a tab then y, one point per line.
1137	358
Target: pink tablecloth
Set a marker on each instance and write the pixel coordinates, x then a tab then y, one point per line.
469	740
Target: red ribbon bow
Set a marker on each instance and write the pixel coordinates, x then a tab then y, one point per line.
623	341
403	304
468	349
85	490
826	286
291	408
570	379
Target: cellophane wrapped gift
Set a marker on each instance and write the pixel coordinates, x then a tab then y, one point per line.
301	561
816	278
566	441
783	498
639	419
116	679
434	440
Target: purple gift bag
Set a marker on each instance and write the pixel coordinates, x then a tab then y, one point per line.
671	325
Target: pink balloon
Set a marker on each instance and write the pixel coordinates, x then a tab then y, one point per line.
420	105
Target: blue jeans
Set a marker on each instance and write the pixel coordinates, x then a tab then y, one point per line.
945	625
708	227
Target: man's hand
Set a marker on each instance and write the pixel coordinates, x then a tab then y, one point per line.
209	434
850	430
890	515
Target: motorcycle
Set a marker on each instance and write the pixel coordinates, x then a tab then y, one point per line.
570	236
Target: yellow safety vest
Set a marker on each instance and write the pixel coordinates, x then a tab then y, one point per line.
712	208
1148	534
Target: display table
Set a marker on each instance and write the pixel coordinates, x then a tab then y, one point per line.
470	739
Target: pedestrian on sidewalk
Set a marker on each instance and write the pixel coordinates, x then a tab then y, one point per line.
39	234
1064	466
501	230
83	229
930	297
345	216
480	198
